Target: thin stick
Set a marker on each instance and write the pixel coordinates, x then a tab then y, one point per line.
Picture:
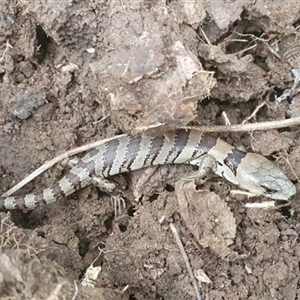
7	47
205	36
289	164
74	297
226	119
186	260
248	127
254	112
48	164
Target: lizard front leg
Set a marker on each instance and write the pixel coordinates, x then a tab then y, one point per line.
206	164
110	188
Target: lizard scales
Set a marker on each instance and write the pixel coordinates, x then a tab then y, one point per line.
250	171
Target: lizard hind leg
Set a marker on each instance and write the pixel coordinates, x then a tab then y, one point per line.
60	167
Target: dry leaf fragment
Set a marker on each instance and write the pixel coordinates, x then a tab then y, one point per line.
201	276
208	218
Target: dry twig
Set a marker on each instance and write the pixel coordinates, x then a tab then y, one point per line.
7	47
253	115
186	260
248	127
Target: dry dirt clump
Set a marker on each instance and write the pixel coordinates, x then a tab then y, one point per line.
72	72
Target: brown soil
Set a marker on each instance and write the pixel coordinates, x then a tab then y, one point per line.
72	72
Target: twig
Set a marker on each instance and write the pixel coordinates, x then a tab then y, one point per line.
205	36
273	51
289	164
264	204
74	297
7	47
248	127
251	35
254	112
48	164
267	205
225	118
246	49
186	260
244	193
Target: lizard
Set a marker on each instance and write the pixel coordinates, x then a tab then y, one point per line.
250	171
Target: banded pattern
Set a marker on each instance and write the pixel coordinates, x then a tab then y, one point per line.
250	171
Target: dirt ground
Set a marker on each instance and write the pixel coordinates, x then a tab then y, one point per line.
73	72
